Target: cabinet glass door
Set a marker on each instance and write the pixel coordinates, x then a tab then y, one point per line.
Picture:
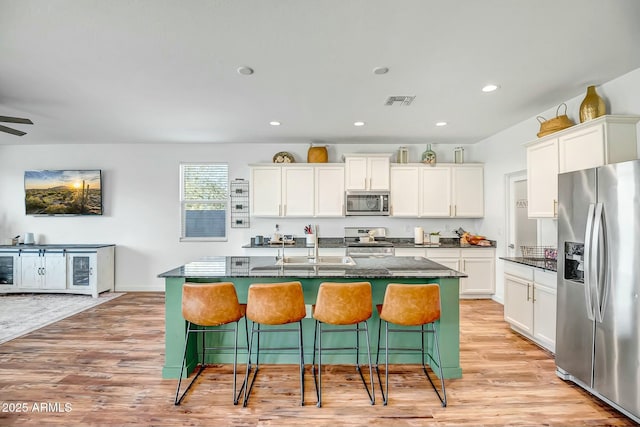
7	270
81	271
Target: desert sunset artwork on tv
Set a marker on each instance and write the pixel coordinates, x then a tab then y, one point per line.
63	192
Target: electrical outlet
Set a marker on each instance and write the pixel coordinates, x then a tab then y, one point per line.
309	312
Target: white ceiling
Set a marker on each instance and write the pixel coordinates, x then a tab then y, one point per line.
145	71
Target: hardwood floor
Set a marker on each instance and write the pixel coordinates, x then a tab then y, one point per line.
105	365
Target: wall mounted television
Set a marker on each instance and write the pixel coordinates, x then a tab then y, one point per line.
63	192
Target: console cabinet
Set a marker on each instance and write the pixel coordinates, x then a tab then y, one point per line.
77	269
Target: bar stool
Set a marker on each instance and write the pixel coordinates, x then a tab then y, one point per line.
342	304
411	305
204	305
274	304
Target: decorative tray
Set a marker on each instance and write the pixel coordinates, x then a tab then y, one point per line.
283	157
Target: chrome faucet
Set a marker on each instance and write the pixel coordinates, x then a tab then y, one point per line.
315	242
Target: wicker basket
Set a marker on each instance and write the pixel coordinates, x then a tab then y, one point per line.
539	252
559	122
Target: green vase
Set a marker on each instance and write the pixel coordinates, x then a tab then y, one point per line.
429	156
592	106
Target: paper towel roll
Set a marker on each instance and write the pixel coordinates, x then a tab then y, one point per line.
418	235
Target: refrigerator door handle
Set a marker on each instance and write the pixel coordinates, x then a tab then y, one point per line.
599	254
588	234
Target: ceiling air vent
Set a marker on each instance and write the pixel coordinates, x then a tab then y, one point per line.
400	100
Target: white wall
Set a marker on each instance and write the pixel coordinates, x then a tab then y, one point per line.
504	153
141	209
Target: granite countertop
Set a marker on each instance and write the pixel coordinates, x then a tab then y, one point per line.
366	267
58	246
398	242
544	264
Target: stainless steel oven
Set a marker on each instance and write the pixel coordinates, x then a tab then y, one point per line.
367	203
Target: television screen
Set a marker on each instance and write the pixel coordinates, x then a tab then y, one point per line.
63	192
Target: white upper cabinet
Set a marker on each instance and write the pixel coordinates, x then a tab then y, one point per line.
542	179
282	190
467	185
441	191
607	139
435	191
405	186
367	171
329	190
297	190
266	191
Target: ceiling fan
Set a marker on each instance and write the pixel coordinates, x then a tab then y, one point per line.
7	119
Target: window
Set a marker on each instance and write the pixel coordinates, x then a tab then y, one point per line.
204	201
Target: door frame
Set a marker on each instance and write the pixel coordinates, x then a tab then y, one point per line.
509	217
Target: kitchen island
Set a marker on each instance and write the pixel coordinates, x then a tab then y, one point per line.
243	271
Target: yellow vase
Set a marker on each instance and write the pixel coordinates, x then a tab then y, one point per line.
592	106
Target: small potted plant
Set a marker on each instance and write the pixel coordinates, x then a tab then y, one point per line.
434	237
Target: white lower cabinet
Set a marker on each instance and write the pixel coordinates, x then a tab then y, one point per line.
40	269
88	270
530	303
477	263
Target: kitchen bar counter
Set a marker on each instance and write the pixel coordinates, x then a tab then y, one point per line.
398	242
243	271
57	246
544	264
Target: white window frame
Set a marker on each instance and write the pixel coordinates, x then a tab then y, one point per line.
184	202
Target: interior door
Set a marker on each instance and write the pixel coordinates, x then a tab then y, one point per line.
521	230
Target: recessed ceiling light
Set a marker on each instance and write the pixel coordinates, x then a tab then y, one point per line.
358	123
380	70
245	71
441	123
275	123
490	88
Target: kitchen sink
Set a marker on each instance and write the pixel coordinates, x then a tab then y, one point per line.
321	261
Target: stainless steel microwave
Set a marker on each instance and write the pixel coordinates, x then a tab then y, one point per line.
367	203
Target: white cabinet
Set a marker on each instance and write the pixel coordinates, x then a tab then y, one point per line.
435	192
467	190
297	191
404	190
530	303
282	191
40	269
9	270
607	139
441	191
78	269
542	179
266	191
329	190
367	171
477	263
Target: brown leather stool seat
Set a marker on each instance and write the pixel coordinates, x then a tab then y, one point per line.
411	305
274	304
205	305
342	304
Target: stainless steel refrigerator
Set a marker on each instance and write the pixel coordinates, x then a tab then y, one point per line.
598	312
